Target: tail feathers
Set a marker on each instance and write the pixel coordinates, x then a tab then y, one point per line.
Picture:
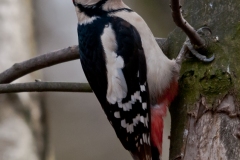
146	153
158	111
155	153
142	153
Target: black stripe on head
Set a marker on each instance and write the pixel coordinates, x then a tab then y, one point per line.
92	10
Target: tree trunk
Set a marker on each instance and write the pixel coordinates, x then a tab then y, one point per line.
22	127
205	115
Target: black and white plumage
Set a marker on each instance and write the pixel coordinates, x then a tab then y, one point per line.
124	78
114	63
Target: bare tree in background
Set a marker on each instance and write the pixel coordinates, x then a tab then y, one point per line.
22	129
205	115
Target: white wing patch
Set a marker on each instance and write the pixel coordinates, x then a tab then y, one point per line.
117	87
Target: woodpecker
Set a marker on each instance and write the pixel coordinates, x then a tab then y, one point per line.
128	72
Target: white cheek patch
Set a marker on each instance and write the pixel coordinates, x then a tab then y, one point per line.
83	19
117	87
89	20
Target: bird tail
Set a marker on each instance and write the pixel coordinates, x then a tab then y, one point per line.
158	111
143	153
153	152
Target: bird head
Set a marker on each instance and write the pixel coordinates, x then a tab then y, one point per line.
86	2
96	8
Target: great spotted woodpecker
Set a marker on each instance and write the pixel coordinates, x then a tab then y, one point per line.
128	72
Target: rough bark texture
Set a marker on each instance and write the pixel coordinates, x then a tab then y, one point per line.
22	132
205	115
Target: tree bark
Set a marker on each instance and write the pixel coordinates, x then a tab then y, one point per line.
205	115
23	134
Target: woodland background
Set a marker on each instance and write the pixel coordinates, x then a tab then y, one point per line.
77	126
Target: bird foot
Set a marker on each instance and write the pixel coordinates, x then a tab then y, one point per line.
203	32
188	46
196	54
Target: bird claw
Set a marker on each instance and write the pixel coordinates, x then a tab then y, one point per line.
193	50
198	55
201	31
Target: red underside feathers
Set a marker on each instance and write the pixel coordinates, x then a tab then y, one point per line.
159	111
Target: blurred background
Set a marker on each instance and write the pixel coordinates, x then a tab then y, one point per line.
71	126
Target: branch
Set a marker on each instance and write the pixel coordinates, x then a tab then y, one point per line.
46	60
184	25
45	87
20	69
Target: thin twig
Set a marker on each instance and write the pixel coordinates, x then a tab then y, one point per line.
45	87
20	69
184	25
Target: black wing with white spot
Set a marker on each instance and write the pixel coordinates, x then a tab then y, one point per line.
131	115
113	61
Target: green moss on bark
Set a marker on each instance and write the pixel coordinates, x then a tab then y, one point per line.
213	80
